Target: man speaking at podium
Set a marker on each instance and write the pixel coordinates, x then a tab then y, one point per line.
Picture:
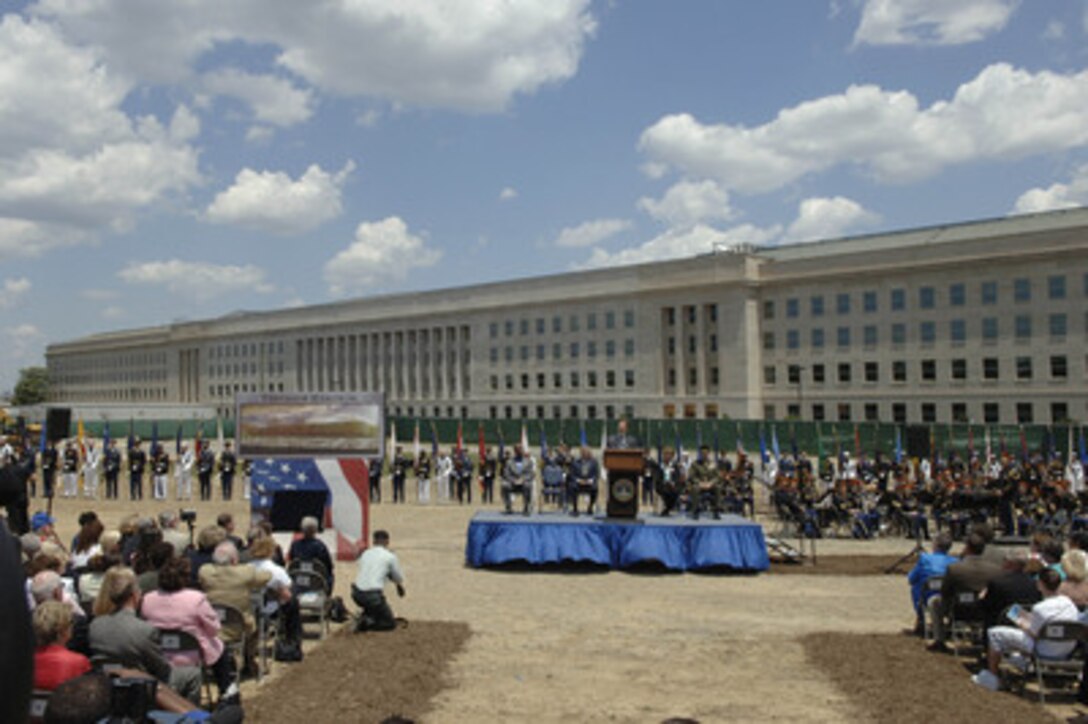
622	440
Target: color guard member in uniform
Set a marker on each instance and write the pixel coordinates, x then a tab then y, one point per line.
137	461
71	470
112	469
227	464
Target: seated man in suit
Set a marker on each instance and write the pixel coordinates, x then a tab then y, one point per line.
973	573
1016	584
517	479
311	548
585	474
118	634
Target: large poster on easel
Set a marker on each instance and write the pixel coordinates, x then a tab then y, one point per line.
334	425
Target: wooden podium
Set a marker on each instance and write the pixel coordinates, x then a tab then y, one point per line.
623	468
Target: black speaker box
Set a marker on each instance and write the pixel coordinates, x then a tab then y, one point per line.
58	420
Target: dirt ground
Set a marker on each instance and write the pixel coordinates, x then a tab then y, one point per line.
613	646
364	677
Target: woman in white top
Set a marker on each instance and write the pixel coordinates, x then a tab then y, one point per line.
279	585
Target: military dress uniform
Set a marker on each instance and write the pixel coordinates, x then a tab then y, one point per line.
71	471
160	468
112	469
204	469
137	461
49	470
401	465
374	480
670	484
488	467
227	464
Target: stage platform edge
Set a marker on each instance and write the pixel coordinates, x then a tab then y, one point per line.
678	543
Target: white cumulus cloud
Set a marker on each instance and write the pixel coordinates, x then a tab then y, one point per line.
689	202
473	55
931	22
273	99
72	161
199	279
271	201
382	251
1057	196
591	232
12	290
1003	113
828	218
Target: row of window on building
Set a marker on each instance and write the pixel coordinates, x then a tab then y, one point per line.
243	369
956	329
593	380
229	390
1025	412
988	368
927	297
523	326
238	350
574	351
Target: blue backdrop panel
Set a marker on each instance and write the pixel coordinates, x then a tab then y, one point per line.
677	543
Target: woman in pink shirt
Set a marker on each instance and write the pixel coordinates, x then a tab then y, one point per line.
173	606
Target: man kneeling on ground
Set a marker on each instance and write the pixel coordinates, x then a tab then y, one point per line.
376	565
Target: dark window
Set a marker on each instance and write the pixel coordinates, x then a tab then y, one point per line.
1025	413
1023	368
768	340
868	302
557	324
610	349
929	370
574	323
793	307
844	412
959	369
1056	286
959	412
540	325
899	333
794	374
990	370
610	378
493	330
818	412
842	303
818	338
793	339
591	379
1023	327
628	348
628	319
628	378
1059	412
845	371
769	375
927	297
872	372
818	374
899	412
989	292
591	321
768	309
957	295
899	371
929	412
715	376
525	382
1059	367
989	329
991	412
816	305
609	320
524	326
574	379
872	412
927	332
843	335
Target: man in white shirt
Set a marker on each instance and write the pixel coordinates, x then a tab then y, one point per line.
377	565
1054	608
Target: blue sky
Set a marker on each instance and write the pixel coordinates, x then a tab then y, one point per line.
161	161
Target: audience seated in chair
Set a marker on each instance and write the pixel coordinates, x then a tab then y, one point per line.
1020	636
53	662
972	573
173	606
1075	585
929	565
228	582
278	587
119	635
1015	585
311	548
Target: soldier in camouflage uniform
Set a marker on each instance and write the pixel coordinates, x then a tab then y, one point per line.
704	484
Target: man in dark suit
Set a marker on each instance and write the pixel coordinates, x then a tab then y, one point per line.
137	460
204	469
1014	585
112	467
227	464
973	573
623	440
49	469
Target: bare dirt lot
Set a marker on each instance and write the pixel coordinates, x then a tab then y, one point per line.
613	646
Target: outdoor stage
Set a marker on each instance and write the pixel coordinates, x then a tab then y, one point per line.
679	543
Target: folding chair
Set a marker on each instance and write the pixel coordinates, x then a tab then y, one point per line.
233	624
39	702
313	599
308	566
966	621
175	642
266	609
1067	668
106	663
931	587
